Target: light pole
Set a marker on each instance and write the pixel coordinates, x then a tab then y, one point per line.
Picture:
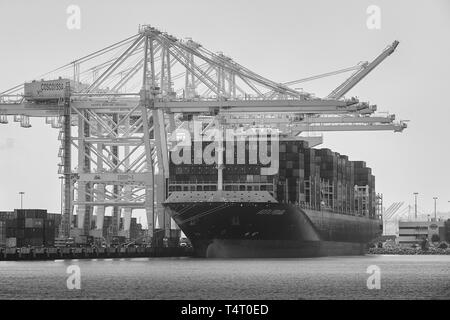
435	217
21	193
415	204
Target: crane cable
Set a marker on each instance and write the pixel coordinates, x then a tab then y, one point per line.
332	73
83	59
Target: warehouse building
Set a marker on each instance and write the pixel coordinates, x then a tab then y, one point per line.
414	232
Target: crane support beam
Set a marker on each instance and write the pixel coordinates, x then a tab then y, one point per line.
304	106
274	119
134	205
351	127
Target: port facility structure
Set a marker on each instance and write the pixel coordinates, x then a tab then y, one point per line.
116	108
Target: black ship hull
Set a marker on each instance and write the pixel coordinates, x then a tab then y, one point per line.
271	230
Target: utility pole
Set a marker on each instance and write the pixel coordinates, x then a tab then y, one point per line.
435	217
21	193
415	204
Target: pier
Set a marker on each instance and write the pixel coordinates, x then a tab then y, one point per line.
18	254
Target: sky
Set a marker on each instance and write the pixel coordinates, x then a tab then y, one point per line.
281	40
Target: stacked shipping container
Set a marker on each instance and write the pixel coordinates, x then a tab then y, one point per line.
365	181
315	178
2	233
337	180
312	179
28	227
291	175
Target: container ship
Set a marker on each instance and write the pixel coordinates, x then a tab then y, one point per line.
317	203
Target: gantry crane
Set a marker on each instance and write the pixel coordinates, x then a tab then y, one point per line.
117	107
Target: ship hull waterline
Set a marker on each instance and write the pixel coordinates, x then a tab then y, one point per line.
271	230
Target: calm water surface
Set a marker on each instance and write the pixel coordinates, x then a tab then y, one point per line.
402	277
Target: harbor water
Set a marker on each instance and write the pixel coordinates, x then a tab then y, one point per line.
400	277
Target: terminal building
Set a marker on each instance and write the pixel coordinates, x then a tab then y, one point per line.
414	232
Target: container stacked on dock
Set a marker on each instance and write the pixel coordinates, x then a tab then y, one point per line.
49	233
2	233
28	227
56	218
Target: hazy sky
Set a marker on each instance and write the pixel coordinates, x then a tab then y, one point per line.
282	40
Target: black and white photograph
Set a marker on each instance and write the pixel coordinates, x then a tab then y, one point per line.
226	155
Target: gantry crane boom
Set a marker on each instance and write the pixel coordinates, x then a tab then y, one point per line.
316	123
356	77
213	106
